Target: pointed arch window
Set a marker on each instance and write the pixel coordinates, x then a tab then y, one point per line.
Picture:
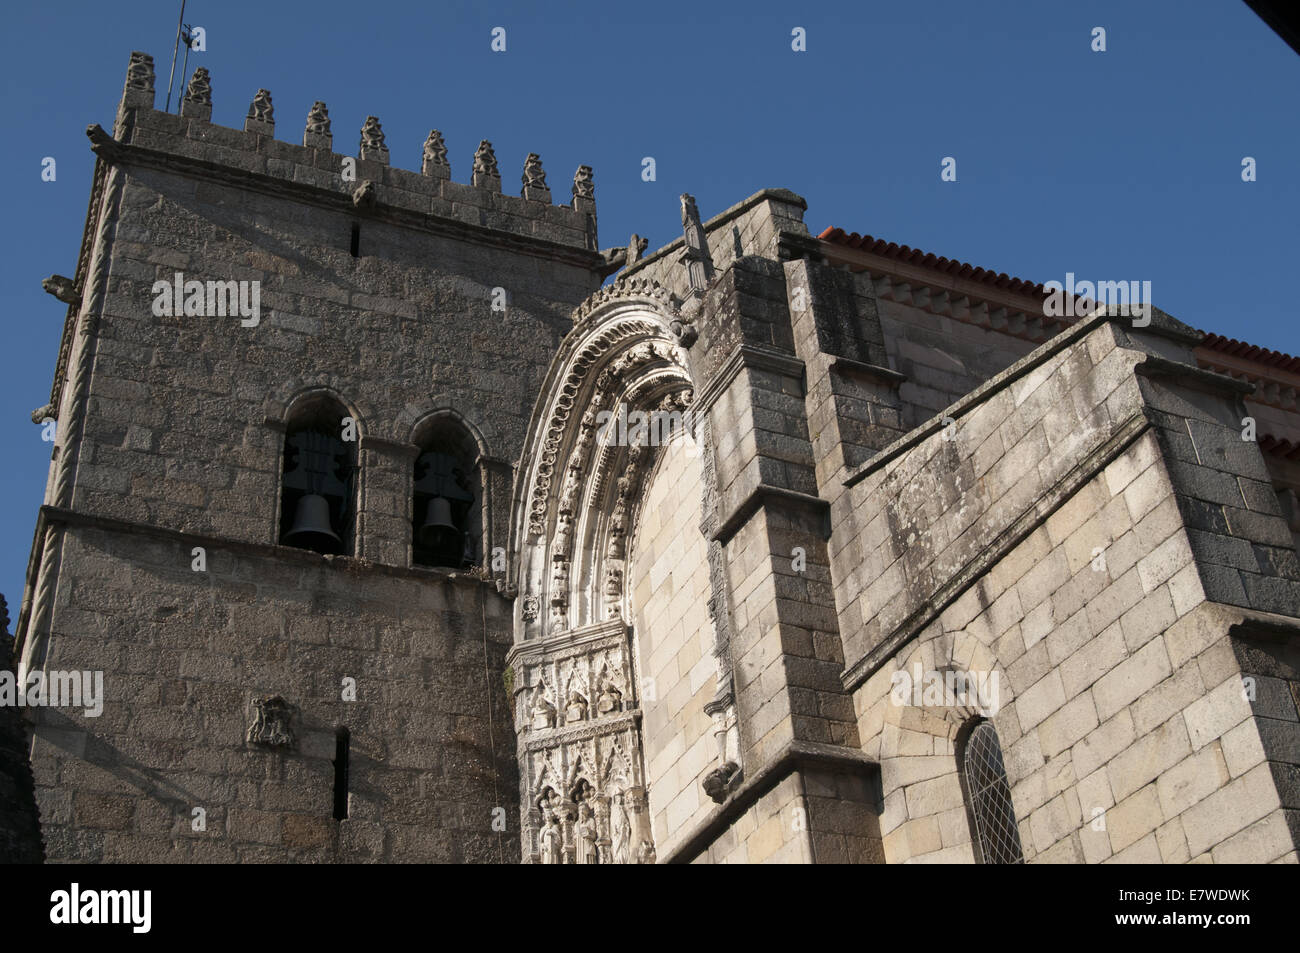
995	836
318	480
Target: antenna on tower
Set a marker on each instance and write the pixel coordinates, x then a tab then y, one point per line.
180	25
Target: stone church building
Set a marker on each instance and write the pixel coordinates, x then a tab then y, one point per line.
398	534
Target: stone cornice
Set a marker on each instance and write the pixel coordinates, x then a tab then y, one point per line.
765	495
794	756
746	355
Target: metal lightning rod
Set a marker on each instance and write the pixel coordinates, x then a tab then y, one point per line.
176	49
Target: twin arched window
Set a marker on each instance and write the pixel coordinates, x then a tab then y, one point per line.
319	486
994	834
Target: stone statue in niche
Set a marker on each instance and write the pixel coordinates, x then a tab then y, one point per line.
577	708
543	712
620	830
587	835
610	698
552	839
559	616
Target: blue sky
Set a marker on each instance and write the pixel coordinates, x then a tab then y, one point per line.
1122	165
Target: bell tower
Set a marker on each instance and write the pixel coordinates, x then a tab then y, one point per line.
293	381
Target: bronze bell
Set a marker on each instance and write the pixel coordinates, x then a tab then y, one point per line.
311	525
438	529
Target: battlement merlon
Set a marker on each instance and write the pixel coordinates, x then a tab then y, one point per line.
192	136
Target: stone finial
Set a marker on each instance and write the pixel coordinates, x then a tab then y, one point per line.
261	114
435	162
139	90
372	141
699	265
4	616
486	175
534	179
584	185
317	135
139	72
197	101
584	190
65	289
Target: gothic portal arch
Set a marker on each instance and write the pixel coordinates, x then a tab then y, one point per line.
619	389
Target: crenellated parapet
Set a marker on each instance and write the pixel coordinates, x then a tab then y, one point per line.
253	149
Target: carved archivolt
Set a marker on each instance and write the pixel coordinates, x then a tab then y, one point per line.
618	386
576	500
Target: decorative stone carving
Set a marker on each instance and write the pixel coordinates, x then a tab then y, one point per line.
261	115
197	101
41	414
587	835
616	258
534	179
318	119
139	72
530	607
543	712
261	108
365	195
272	724
593	760
317	135
373	147
610	698
486	175
584	183
576	710
434	162
552	839
64	289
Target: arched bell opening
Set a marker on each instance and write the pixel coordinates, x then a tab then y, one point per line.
446	499
318	478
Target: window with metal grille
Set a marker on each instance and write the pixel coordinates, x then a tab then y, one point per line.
994	833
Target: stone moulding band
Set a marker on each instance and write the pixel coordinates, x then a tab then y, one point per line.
794	756
763	495
54	515
746	355
983	561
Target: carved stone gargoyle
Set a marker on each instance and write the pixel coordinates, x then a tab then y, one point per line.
616	258
272	725
365	195
42	414
716	781
65	289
